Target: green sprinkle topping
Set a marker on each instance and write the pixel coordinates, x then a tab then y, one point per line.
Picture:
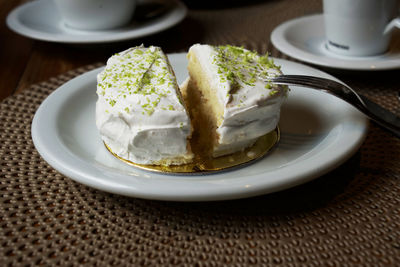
268	86
112	102
273	92
240	66
139	71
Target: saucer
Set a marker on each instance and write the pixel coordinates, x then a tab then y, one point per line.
303	39
40	20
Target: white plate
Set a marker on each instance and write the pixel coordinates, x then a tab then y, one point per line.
303	39
40	20
318	133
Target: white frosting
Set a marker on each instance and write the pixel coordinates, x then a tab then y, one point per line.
251	110
139	112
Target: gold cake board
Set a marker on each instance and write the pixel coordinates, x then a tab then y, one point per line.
203	164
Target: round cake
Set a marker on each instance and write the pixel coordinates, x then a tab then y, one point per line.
224	106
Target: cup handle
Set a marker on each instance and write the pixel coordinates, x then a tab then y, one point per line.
395	23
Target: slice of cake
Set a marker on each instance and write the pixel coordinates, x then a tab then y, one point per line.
140	113
230	103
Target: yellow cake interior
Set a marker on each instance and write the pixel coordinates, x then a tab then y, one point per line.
205	110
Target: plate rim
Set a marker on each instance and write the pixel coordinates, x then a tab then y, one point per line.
171	18
221	193
350	64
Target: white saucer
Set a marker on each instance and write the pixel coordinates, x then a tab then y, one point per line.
318	133
303	39
40	20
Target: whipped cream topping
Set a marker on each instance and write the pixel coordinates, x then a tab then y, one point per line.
252	105
139	111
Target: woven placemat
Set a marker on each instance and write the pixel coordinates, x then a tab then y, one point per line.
349	217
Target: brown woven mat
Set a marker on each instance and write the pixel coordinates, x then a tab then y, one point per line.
350	216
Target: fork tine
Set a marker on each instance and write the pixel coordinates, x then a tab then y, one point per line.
299	81
313	82
307	79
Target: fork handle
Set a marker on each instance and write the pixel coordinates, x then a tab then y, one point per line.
381	116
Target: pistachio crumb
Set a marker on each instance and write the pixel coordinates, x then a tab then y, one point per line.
112	102
273	92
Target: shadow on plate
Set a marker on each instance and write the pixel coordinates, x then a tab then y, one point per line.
300	127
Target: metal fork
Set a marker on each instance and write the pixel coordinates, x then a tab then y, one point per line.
378	114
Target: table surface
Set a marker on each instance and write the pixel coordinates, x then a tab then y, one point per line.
349	216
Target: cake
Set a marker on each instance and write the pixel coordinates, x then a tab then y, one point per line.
229	98
225	105
139	112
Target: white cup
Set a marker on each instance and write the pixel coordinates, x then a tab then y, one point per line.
95	14
359	27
